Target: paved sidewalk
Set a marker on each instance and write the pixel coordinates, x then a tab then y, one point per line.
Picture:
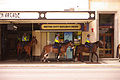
104	63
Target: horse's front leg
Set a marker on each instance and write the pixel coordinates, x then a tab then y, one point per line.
96	56
66	55
92	57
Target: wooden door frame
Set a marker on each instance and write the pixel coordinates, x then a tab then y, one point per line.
116	29
112	49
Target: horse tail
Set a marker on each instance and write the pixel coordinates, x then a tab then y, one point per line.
117	52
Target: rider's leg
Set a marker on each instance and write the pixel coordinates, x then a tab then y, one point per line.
90	46
58	52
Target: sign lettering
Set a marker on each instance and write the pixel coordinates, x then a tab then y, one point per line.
9	15
19	15
61	26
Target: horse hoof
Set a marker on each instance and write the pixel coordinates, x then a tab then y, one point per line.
75	59
91	61
57	60
48	61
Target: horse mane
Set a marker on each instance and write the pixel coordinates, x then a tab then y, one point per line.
65	43
95	42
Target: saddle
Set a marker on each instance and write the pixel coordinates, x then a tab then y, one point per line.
87	46
55	45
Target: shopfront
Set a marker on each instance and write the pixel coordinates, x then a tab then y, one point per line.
71	25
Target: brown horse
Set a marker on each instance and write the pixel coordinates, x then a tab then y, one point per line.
118	52
49	48
82	48
26	48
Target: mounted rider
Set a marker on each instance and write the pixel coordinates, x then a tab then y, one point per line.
25	39
57	42
88	42
18	38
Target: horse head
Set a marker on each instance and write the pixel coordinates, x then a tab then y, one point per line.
100	44
70	43
34	40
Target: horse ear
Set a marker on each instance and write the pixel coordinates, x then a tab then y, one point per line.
101	42
34	36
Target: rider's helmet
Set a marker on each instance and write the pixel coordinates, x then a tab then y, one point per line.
88	35
58	34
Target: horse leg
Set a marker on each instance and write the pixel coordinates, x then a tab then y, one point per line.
65	55
29	54
58	56
25	55
42	56
81	57
45	57
119	57
75	56
96	56
31	57
92	57
17	53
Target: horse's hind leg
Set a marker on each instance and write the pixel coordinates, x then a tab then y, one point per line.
96	56
119	57
30	59
58	56
45	58
81	57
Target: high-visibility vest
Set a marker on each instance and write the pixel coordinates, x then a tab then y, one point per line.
57	39
87	40
18	38
25	38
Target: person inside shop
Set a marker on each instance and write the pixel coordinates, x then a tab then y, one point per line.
57	42
88	42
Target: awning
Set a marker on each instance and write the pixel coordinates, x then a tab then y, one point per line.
58	30
43	21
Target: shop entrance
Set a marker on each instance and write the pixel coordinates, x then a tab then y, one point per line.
9	39
49	37
106	34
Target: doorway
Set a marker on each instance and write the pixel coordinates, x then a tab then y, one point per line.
106	34
9	39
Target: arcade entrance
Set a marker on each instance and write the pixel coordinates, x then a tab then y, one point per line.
106	34
9	38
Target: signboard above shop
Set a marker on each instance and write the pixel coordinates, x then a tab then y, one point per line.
61	26
19	15
47	15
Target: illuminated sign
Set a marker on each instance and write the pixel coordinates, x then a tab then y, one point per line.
19	15
61	26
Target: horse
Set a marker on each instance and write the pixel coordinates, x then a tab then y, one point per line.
82	48
118	52
50	49
27	48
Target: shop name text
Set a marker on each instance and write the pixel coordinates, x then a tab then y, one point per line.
9	15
